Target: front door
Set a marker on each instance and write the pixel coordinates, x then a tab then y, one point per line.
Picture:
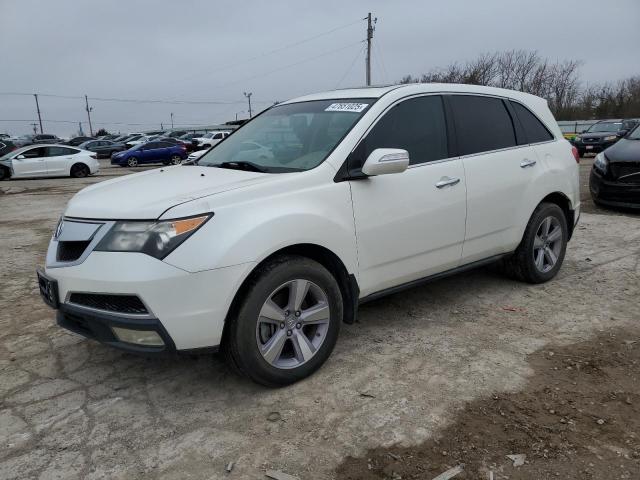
409	225
30	163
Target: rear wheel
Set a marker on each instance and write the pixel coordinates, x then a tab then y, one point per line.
176	160
287	323
132	161
541	252
80	170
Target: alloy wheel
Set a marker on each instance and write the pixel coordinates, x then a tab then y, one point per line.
175	160
547	244
293	324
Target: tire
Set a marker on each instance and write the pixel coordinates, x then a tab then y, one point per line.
5	173
176	160
80	170
533	260
132	162
250	332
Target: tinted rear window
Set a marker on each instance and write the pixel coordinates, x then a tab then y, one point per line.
482	124
533	128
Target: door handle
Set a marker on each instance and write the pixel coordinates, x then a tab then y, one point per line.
527	163
447	182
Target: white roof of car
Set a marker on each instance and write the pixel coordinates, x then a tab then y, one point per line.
413	88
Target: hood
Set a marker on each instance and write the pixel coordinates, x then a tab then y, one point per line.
146	195
596	134
624	151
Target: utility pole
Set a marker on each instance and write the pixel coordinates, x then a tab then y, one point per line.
370	29
248	95
35	128
86	102
35	95
80	132
161	126
171	120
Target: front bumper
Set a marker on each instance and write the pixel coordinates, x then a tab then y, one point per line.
99	326
592	147
187	310
612	193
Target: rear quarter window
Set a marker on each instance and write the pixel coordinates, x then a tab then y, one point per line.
534	129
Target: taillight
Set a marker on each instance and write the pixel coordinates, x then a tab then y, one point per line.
183	147
576	154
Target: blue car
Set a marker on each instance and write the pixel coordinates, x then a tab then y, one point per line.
150	152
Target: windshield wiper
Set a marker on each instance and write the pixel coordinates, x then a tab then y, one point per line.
250	166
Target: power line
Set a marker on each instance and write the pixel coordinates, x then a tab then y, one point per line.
136	100
360	50
264	74
271	52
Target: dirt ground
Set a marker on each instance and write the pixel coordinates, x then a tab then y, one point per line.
433	363
577	418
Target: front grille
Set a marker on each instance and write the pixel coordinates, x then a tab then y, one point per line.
71	251
130	304
591	140
629	170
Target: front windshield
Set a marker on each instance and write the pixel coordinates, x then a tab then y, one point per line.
605	127
635	133
288	138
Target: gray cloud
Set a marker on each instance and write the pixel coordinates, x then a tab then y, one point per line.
213	51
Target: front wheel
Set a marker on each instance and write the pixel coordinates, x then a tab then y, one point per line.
4	173
287	324
176	160
541	252
132	161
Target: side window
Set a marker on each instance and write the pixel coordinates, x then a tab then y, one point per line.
217	136
34	153
534	129
59	151
151	146
482	124
166	144
416	125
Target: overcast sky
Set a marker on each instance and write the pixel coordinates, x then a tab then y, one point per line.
213	51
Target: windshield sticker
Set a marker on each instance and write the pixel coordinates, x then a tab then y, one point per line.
346	107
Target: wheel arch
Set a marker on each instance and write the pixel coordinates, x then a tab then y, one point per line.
347	282
564	203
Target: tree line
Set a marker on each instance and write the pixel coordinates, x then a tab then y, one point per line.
558	82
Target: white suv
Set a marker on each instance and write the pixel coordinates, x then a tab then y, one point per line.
365	192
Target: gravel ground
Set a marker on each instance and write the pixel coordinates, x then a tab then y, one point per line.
71	408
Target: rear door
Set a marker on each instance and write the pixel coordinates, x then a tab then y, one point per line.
59	160
411	224
498	171
149	153
32	163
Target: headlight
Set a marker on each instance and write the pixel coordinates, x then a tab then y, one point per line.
601	162
157	239
609	138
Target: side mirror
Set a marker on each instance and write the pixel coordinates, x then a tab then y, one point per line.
20	157
383	161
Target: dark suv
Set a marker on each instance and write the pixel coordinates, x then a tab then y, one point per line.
602	135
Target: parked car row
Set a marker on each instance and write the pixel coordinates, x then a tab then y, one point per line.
602	135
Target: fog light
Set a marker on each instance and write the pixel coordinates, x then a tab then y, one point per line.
148	338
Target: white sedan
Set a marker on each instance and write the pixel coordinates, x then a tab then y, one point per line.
212	138
48	161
